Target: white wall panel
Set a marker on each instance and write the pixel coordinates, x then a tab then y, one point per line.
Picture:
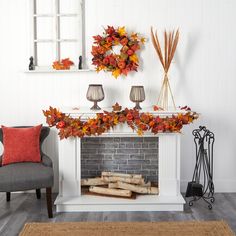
202	76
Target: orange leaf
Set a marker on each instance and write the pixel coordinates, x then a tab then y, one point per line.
116	73
122	31
134	58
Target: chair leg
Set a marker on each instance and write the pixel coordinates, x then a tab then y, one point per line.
38	193
8	196
49	202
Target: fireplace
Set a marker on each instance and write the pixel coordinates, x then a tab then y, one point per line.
74	159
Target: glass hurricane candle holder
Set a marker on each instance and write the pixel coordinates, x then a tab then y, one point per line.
137	95
95	94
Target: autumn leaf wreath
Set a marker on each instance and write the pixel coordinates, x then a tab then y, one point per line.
104	58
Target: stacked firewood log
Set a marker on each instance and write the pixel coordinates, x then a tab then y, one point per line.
119	184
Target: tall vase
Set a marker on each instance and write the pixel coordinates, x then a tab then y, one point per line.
166	98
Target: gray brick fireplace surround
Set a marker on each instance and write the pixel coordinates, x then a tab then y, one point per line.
135	155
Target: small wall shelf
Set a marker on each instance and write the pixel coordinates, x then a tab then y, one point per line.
54	40
53	15
51	70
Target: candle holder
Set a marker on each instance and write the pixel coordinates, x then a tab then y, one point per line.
95	94
137	95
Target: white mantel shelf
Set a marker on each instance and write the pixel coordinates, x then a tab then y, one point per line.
70	198
85	111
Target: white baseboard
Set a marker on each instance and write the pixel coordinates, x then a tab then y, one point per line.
221	186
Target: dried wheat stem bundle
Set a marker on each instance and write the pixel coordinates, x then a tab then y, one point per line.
170	44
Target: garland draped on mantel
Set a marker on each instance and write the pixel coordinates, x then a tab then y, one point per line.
104	121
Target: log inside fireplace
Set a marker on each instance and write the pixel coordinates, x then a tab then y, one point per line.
118	185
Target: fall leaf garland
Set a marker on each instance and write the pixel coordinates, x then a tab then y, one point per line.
104	121
104	58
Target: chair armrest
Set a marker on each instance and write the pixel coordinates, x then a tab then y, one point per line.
46	161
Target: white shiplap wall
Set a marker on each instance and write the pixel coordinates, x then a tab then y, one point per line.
203	74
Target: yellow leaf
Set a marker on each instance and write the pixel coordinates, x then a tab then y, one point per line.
116	121
99	68
84	130
190	119
116	42
116	73
134	58
180	115
143	40
140	132
122	31
134	36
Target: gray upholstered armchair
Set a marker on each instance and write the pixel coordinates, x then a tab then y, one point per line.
28	175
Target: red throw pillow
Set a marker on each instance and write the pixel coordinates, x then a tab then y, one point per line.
21	144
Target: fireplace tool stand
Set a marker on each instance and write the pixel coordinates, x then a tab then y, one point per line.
202	186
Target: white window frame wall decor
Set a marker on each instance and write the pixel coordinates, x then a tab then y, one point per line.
56	16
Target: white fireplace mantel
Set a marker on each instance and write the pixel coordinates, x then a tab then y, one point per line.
70	198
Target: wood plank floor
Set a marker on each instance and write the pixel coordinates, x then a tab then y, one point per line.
26	208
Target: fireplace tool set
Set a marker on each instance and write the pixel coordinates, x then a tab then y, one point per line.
202	186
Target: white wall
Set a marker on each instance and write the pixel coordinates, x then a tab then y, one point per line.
203	75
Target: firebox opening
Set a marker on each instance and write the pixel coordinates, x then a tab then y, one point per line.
124	155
